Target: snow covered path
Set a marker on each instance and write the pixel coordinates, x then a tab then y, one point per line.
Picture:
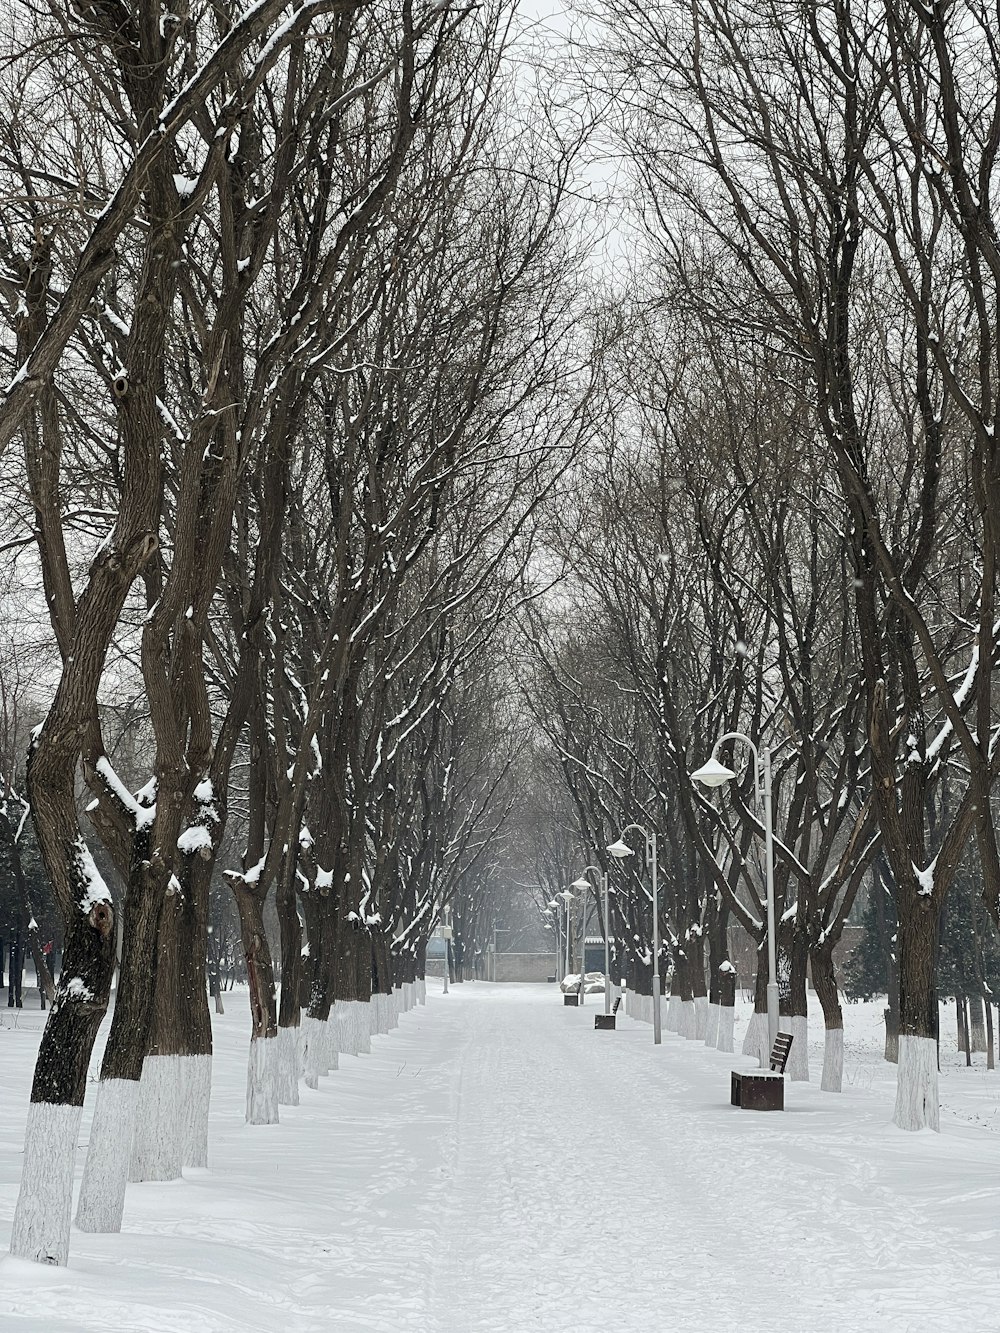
497	1166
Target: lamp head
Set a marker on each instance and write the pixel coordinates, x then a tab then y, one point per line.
713	774
581	885
619	849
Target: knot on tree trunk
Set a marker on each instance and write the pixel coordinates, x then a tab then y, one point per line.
102	919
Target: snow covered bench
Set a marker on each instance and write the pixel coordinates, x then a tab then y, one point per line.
764	1089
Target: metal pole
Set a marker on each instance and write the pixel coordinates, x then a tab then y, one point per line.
607	951
447	950
569	965
651	848
583	945
772	968
494	953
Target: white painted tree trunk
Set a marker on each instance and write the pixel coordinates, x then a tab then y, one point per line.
105	1171
727	1025
395	1004
288	1066
700	1017
333	1039
977	1024
317	1050
755	1039
797	1068
196	1085
673	1018
347	1037
917	1084
687	1026
422	990
712	1026
158	1142
363	1013
833	1061
262	1081
45	1202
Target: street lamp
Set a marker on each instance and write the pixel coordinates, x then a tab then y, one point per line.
581	886
567	898
714	774
552	907
584	884
620	850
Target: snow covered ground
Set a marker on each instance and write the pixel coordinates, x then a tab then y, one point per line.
451	1182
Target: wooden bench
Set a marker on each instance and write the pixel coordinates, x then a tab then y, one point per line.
606	1022
764	1089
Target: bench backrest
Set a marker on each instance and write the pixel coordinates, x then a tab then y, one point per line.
617	1002
779	1052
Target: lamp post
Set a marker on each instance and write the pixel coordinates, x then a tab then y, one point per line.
553	907
620	850
567	898
714	774
583	885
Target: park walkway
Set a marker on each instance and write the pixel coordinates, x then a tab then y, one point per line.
497	1166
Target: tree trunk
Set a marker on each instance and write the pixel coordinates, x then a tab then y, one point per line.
795	1011
825	981
676	1001
977	1022
727	1006
990	1053
262	1083
699	990
105	1175
755	1039
917	1080
289	1011
44	1206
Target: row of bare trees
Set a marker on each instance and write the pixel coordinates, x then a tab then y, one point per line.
295	356
793	529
